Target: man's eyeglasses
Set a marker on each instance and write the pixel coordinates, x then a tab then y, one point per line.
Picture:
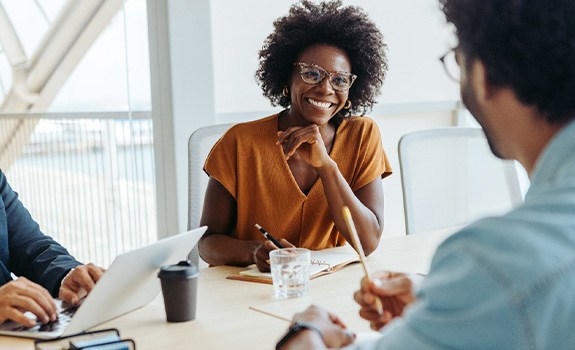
451	65
313	74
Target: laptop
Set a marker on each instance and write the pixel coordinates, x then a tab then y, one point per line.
129	283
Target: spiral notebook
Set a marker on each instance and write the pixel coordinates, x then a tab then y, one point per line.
322	262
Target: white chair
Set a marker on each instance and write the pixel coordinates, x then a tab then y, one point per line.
450	177
199	145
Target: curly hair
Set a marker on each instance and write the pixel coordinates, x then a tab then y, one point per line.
528	46
347	28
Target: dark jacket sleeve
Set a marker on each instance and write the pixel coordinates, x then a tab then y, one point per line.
24	249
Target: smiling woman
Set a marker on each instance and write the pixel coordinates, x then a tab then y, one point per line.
292	172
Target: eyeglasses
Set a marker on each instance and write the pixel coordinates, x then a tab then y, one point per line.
313	74
451	65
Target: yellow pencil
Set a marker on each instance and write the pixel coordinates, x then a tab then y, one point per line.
357	245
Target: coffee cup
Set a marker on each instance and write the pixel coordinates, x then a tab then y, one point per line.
179	288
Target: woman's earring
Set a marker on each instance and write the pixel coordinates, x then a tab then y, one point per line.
347	104
285	91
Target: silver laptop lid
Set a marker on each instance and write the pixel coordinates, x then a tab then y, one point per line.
131	280
129	283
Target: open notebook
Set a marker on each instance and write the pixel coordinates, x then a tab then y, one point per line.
322	262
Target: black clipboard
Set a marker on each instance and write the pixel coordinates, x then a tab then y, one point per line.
104	339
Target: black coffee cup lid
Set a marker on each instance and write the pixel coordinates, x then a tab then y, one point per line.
183	269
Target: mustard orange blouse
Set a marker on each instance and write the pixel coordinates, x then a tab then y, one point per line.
249	164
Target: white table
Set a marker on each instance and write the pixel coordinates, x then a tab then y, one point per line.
225	321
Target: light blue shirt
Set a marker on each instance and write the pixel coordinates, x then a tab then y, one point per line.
504	282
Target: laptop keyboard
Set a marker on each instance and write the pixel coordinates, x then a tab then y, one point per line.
64	318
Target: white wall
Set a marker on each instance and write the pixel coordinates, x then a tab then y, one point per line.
182	97
213	47
415	32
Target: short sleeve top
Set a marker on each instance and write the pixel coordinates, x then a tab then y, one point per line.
249	164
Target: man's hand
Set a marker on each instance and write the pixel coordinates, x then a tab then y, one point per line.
395	290
79	282
333	331
21	295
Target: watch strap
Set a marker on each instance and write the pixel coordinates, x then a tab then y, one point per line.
294	329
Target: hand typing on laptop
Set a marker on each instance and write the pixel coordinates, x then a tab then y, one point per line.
129	283
22	295
79	282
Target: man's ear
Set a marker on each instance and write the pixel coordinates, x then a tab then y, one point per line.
481	85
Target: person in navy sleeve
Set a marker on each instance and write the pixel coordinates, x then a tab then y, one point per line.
44	268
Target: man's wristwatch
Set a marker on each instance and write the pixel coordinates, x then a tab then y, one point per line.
294	329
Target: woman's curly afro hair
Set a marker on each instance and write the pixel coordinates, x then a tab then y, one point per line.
347	28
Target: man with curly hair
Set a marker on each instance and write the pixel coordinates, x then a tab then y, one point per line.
503	282
293	171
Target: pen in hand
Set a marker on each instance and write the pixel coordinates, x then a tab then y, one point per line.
270	237
356	243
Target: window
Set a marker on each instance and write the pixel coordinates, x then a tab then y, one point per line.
75	124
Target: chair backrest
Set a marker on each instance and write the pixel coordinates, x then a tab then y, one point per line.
199	145
450	177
